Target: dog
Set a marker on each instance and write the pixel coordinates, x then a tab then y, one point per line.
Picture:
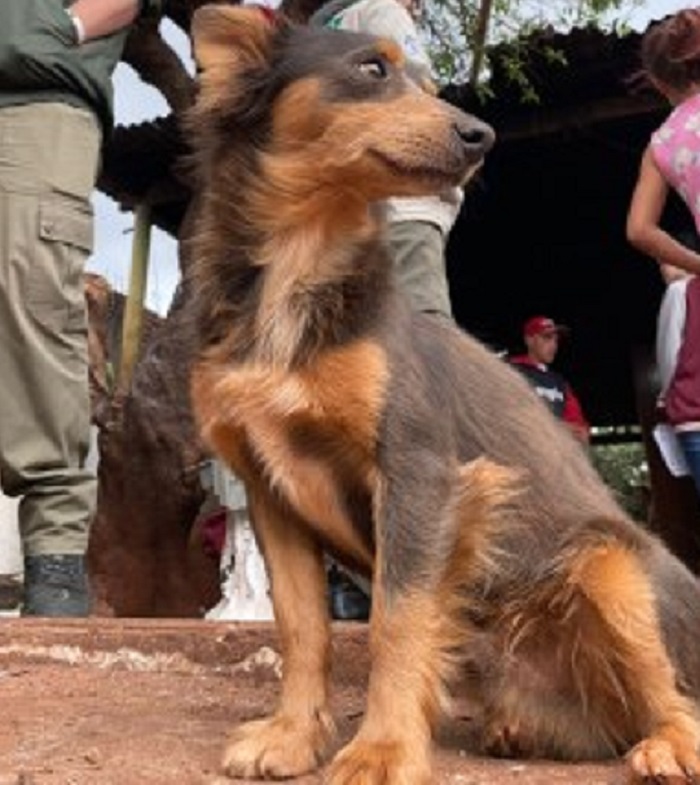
399	444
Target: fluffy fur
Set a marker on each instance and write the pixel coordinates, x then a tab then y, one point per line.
403	446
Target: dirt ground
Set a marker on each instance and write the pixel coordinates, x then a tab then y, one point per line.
116	702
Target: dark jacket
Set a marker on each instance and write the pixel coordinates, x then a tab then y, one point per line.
553	389
40	63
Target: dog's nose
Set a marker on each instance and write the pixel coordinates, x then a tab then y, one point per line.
477	136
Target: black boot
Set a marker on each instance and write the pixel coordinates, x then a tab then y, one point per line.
55	586
347	600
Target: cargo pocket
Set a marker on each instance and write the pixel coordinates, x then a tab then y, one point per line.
55	294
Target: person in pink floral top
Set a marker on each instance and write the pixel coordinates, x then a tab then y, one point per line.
671	60
671	162
674	148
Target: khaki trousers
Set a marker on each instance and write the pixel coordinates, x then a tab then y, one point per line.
418	252
48	164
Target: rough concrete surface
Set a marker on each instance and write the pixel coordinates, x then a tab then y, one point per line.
150	702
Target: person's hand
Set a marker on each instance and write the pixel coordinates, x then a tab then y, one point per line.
670	273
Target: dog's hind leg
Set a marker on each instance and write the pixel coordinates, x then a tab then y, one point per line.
614	580
296	738
586	673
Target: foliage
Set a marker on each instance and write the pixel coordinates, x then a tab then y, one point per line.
623	468
453	30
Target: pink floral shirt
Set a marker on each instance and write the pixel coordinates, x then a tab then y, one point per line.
675	146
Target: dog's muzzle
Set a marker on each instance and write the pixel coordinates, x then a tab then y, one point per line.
476	136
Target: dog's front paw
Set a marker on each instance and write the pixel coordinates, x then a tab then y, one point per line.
278	747
661	761
380	763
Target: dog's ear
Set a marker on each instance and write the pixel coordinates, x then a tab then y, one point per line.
228	41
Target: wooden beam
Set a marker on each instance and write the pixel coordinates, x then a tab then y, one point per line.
133	315
546	121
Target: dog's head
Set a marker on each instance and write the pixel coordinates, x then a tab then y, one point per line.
326	108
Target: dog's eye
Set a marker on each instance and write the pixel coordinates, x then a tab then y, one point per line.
374	68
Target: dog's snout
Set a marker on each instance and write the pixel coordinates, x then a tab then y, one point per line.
478	137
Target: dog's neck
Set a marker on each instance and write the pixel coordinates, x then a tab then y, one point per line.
314	275
324	279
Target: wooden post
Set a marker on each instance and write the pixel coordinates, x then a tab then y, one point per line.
480	35
133	313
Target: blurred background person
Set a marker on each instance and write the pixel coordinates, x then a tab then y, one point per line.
541	336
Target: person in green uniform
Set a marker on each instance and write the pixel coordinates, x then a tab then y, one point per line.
56	62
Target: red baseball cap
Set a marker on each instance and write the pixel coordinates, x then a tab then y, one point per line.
543	325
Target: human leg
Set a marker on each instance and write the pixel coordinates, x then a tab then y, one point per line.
347	599
48	158
690	444
418	251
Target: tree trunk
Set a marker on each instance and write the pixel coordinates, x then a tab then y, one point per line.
145	555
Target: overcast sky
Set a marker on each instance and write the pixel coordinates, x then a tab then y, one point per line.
135	102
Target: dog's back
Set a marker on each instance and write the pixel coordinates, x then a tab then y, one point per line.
564	502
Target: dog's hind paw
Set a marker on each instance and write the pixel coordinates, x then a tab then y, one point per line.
278	747
658	760
507	740
379	763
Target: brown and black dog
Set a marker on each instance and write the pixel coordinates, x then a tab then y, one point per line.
402	445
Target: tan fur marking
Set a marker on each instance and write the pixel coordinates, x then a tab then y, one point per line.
390	50
321	164
299	115
405	681
298	735
614	580
282	319
302	166
487	490
342	392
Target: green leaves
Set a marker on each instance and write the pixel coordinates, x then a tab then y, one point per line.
456	33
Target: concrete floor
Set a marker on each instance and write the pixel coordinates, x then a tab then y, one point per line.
151	702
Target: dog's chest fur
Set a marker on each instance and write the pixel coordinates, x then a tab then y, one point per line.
311	432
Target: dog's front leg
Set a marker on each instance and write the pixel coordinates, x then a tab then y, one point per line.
410	637
296	738
393	745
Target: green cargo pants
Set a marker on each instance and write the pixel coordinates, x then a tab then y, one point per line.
48	164
418	251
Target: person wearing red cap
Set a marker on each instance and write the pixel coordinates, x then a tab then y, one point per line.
541	336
